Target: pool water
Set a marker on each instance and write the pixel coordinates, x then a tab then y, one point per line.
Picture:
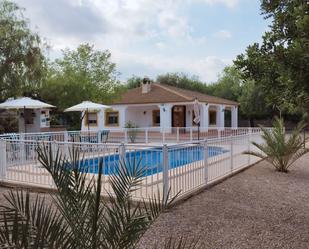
151	160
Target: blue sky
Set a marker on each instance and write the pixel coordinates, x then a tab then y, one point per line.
151	37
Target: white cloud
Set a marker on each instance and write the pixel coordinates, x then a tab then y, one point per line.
227	3
223	34
175	25
137	32
206	68
161	45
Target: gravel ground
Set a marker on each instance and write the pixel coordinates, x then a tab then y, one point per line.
258	208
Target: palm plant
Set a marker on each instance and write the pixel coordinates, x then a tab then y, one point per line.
280	149
132	131
77	217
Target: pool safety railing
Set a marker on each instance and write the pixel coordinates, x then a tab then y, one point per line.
182	168
135	135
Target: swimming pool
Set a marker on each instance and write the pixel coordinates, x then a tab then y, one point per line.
151	160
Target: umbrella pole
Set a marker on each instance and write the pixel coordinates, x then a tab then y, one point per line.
198	131
88	125
25	125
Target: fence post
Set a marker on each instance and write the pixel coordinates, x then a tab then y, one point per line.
146	135
54	148
165	173
125	136
205	161
66	145
99	137
191	134
163	135
22	148
249	141
3	162
232	154
177	134
122	152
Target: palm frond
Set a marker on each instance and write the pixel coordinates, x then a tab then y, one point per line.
280	149
76	198
31	224
78	217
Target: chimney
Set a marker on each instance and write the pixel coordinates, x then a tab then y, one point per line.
146	85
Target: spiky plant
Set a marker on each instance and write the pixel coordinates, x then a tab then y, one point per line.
280	149
77	217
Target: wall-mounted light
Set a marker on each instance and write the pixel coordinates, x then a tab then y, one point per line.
163	107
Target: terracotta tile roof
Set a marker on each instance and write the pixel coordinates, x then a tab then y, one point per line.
160	93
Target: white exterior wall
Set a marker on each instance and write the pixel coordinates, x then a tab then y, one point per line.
189	116
122	116
101	122
37	124
220	116
142	116
204	110
166	117
234	116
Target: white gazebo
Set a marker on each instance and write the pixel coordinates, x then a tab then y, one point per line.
33	114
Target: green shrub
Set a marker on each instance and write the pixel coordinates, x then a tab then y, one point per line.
280	149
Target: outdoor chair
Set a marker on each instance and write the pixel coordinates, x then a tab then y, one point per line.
104	135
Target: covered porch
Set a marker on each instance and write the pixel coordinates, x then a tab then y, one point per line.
168	116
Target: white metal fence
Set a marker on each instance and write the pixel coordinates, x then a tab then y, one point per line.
135	135
182	167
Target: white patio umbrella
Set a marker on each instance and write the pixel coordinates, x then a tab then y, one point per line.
197	119
86	107
24	103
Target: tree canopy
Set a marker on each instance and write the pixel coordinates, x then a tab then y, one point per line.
22	63
182	80
81	74
279	66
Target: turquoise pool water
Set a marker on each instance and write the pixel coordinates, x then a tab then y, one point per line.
151	160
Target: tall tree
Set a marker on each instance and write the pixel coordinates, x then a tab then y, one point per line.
22	64
252	102
182	80
280	64
229	84
133	82
81	74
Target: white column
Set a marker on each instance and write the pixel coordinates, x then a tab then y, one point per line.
220	116
204	117
122	116
234	116
165	117
101	119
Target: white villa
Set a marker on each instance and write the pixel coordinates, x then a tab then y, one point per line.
158	105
